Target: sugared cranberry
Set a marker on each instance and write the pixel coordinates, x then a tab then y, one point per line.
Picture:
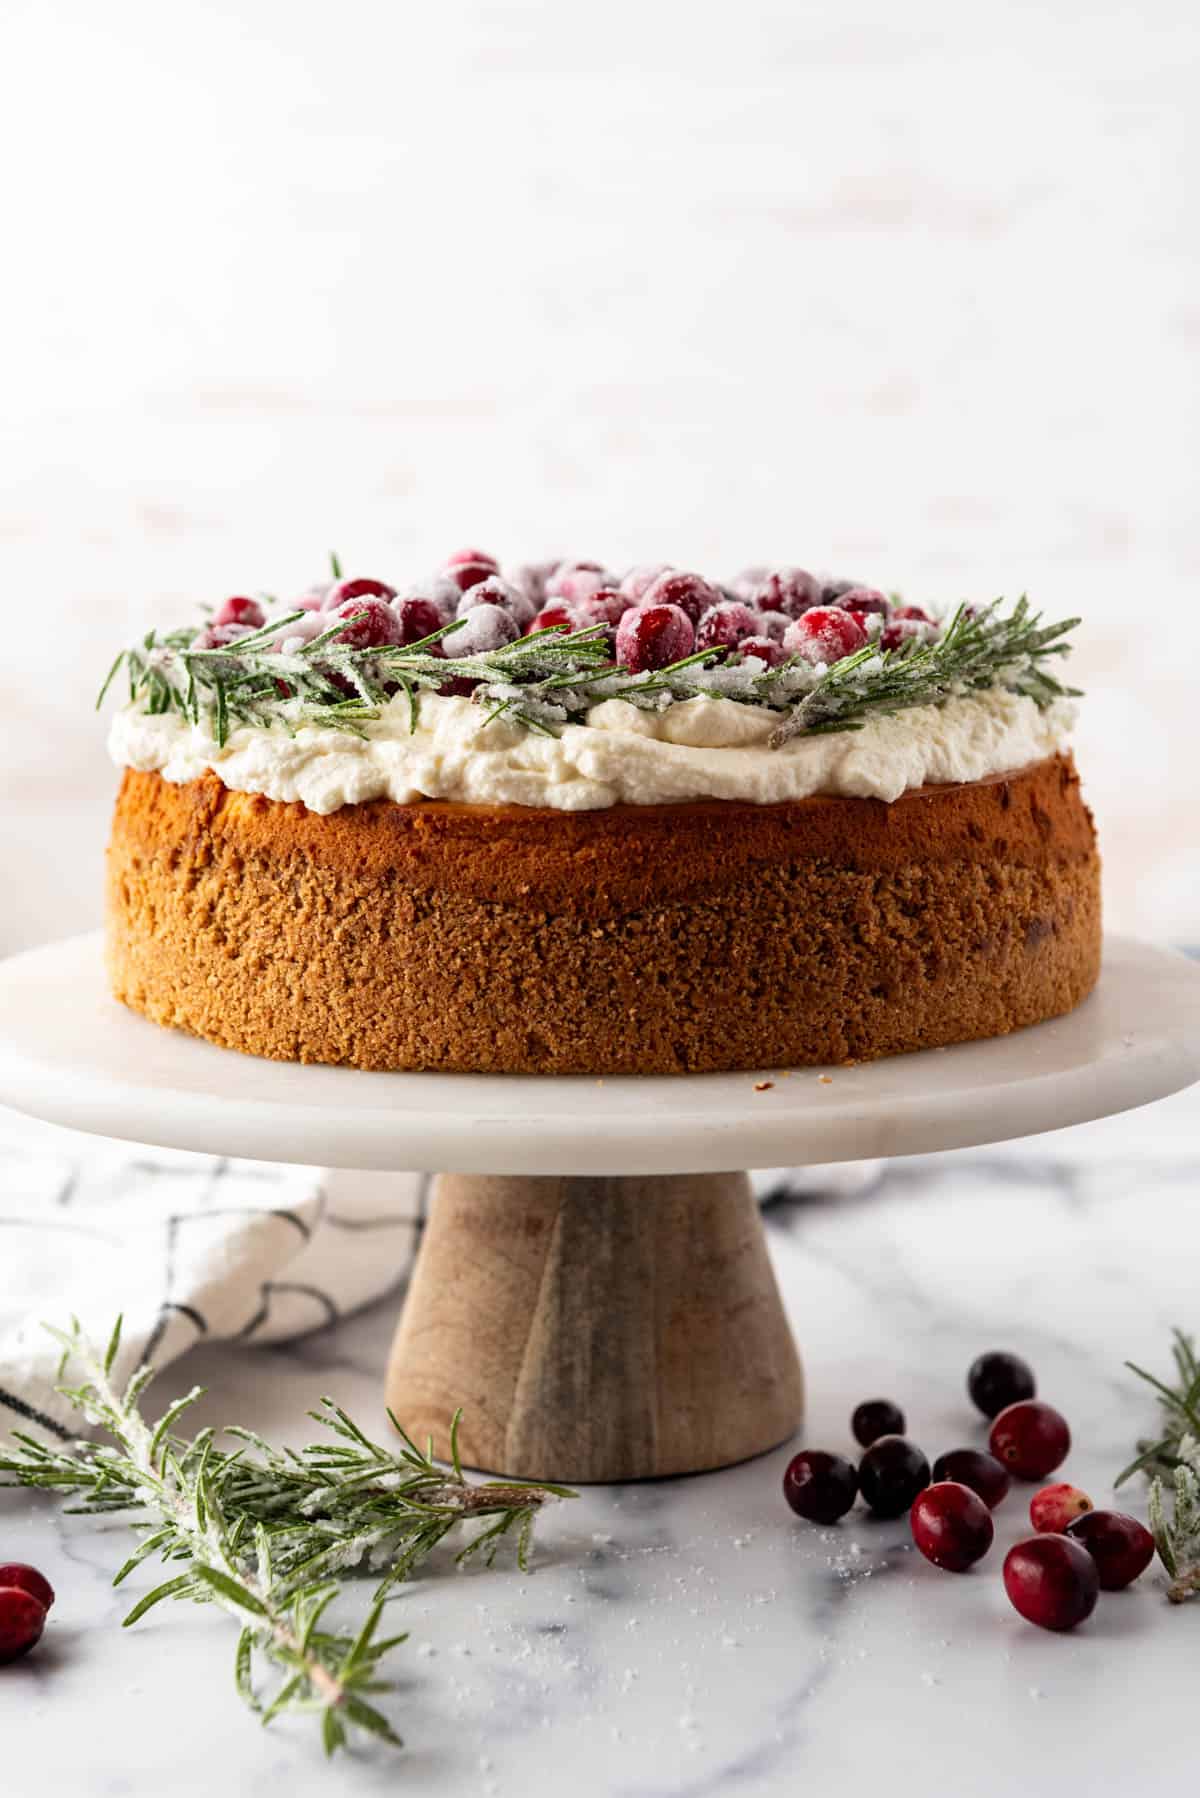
637	582
998	1379
531	578
904	633
747	583
874	1418
312	599
300	631
22	1620
468	574
1031	1439
691	593
652	637
772	624
790	590
833	591
951	1525
483	628
1054	1507
20	1573
864	600
1120	1546
972	1467
824	634
818	1486
773	654
219	636
357	587
240	611
558	615
1052	1581
417	618
608	605
890	1475
462	557
370	623
576	581
913	612
725	625
495	592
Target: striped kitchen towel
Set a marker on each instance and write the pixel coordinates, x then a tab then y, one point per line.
193	1248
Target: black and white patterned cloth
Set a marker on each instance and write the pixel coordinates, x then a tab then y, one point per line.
193	1248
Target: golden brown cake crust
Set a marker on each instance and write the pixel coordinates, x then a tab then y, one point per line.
638	939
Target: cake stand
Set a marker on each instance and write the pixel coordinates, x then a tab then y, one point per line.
594	1286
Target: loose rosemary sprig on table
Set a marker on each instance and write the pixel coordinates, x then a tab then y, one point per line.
553	677
1175	1457
265	1533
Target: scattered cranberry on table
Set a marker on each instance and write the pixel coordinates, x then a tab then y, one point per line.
951	1525
1030	1438
890	1475
825	634
25	1597
1054	1507
1052	1580
997	1380
975	1468
818	1486
1121	1547
876	1417
653	637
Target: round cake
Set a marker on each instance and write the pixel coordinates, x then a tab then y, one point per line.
555	823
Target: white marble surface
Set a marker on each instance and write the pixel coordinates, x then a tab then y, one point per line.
908	291
690	1638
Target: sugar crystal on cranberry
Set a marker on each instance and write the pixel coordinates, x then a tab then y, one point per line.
240	610
417	618
724	625
825	634
790	590
370	623
773	654
358	587
653	637
691	593
483	628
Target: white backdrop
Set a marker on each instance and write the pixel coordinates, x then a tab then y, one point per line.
906	291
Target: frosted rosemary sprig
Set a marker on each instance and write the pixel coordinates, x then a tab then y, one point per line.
1174	1460
265	1533
553	677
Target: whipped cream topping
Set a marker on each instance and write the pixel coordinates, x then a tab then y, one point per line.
706	748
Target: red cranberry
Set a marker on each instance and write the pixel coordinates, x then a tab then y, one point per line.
20	1573
832	590
772	624
903	633
890	1475
313	600
468	574
240	611
637	582
558	615
1120	1546
951	1526
462	557
747	584
531	578
1054	1507
874	1418
360	587
653	637
773	654
1052	1581
824	634
483	628
864	600
372	624
300	631
219	636
575	581
691	593
998	1379
790	590
972	1467
818	1486
608	605
22	1620
417	618
913	612
725	625
495	592
1031	1439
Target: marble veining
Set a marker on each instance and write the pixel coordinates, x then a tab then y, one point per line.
690	1637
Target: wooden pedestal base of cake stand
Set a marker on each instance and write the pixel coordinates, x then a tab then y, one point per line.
596	1328
593	1290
